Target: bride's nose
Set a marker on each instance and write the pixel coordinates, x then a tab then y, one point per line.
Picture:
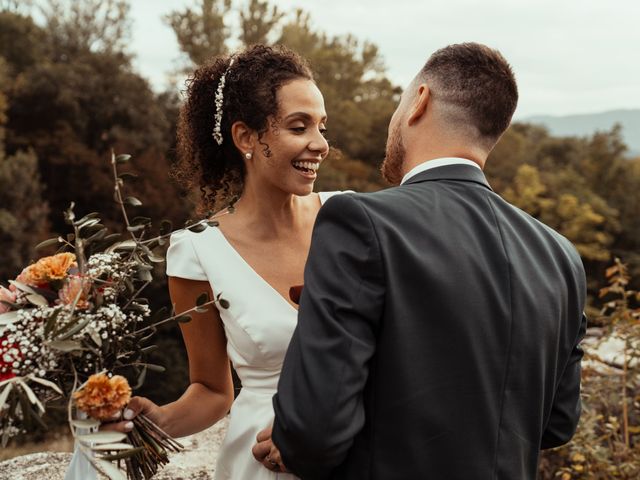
319	144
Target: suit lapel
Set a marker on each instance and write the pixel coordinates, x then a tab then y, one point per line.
463	173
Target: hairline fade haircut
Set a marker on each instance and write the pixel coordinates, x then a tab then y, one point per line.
474	89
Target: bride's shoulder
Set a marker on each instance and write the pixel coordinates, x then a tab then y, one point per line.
182	258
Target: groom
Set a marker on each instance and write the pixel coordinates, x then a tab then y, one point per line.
439	326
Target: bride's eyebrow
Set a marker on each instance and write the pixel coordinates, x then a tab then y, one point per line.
303	115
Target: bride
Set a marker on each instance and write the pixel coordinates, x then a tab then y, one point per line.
252	128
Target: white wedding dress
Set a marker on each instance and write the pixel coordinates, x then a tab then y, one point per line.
258	326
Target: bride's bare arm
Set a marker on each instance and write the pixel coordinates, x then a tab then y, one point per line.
210	393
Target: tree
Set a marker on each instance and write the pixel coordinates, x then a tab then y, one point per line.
23	213
258	21
574	219
73	112
201	33
22	43
87	26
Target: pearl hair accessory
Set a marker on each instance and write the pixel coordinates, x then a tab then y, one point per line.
217	131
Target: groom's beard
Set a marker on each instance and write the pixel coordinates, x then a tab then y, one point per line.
394	157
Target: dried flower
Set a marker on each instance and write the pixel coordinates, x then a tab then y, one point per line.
74	286
47	269
6	296
102	397
8	355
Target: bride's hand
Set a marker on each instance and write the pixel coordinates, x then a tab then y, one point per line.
122	421
266	452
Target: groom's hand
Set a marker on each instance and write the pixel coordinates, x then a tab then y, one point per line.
267	453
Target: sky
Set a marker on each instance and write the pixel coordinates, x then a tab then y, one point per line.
569	56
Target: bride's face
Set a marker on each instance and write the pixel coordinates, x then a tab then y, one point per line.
289	153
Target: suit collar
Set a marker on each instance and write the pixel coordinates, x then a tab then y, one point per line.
463	173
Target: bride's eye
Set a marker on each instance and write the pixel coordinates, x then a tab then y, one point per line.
298	129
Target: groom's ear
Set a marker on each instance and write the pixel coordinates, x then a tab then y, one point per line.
419	107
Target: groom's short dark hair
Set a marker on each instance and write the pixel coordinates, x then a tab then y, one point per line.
476	81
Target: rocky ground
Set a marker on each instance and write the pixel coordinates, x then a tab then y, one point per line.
197	462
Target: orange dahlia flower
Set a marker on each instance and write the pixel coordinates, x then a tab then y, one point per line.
47	269
102	397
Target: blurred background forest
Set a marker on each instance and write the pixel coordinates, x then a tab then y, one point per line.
69	94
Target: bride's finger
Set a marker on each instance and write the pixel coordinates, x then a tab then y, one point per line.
135	407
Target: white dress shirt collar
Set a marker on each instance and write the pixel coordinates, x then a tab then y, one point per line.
438	162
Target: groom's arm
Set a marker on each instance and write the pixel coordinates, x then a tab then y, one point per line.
319	404
565	411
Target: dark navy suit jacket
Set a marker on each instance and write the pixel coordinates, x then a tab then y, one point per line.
437	339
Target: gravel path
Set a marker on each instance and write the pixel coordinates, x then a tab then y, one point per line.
196	462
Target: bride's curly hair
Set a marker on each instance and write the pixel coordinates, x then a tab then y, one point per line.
251	85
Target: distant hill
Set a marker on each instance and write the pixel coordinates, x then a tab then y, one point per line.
587	124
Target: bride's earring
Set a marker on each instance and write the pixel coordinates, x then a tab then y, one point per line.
248	155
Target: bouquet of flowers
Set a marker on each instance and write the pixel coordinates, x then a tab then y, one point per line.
73	320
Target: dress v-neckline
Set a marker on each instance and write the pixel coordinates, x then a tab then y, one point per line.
253	270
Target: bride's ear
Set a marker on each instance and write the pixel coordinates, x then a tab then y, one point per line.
419	107
243	137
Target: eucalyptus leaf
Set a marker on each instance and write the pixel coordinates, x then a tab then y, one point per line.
155	368
46	383
156	258
22	286
141	378
65	345
5	394
224	303
149	349
197	228
31	395
99	235
145	275
38	300
88	223
8	317
136	228
77	327
88	216
213	223
48	243
86	423
123	158
95	336
133	201
183	318
125	175
201	309
102	437
165	227
202	299
141	221
51	322
124	245
112	237
113	446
